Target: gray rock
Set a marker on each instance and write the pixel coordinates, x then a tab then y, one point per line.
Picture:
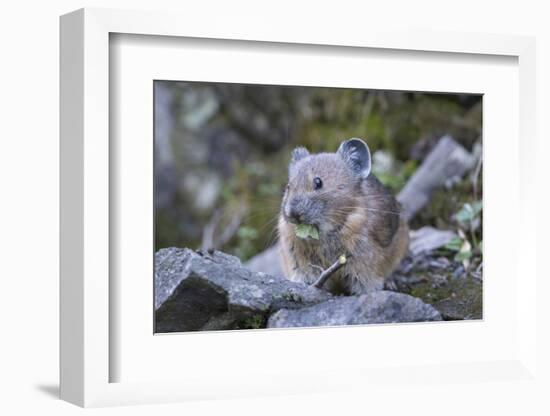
214	291
373	308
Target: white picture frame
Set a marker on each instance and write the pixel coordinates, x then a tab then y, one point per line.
86	304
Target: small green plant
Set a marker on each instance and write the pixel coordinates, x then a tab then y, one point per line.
467	244
469	218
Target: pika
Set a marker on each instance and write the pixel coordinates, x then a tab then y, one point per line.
353	213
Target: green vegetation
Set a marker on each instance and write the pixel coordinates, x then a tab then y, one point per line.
468	243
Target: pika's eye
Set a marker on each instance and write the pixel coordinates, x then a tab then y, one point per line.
317	183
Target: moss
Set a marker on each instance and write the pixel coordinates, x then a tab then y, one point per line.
458	298
256	321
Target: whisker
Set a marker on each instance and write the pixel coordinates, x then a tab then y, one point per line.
349	210
273	235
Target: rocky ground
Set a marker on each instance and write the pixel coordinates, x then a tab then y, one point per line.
197	290
455	292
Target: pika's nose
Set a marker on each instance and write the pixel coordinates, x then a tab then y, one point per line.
295	217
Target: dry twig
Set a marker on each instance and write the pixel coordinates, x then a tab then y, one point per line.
337	265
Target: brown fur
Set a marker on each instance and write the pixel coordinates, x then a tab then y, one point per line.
355	216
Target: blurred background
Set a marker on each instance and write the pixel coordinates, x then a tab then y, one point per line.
222	152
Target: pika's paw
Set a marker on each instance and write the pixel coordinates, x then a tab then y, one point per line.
391	284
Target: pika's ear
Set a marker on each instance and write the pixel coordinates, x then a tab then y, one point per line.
356	154
298	153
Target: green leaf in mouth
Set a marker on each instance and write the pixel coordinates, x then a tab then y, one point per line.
306	230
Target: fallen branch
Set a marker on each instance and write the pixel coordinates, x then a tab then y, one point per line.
448	160
231	228
338	264
209	239
210	229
